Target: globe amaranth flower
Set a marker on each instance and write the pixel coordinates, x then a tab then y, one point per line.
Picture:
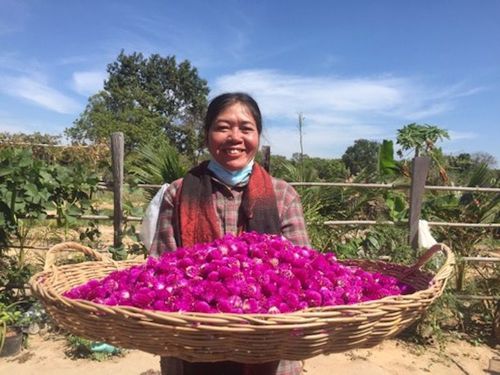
251	273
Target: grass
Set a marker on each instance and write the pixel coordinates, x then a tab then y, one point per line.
79	347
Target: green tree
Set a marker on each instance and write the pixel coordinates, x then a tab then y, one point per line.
363	155
420	138
462	166
461	163
329	169
37	138
145	97
298	169
319	169
156	163
479	158
277	165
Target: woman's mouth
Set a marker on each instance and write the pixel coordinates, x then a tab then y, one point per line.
233	151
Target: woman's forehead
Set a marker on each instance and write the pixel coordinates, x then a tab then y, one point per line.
236	110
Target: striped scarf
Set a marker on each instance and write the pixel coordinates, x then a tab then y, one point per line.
196	218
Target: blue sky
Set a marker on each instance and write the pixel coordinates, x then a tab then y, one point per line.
354	69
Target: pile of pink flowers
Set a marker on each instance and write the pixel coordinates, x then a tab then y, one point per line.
250	273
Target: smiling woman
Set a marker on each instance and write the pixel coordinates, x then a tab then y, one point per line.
233	139
231	193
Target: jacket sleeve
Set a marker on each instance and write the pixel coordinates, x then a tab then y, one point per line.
164	238
293	225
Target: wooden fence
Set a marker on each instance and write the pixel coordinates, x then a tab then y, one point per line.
417	187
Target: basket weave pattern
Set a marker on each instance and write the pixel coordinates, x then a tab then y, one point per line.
248	338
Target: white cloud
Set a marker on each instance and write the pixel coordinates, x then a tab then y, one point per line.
13	123
13	64
88	83
318	141
280	93
38	92
456	136
71	60
337	110
8	127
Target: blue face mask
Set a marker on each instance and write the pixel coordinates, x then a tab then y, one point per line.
231	178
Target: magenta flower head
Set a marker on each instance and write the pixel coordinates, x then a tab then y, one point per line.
251	273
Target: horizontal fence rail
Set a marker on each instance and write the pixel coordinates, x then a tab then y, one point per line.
397	186
478	298
43	145
388	222
105	186
481	259
118	218
97	217
329	222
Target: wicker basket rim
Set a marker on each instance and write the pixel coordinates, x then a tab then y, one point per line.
434	283
247	338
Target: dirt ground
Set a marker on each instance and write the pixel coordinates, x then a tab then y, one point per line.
46	355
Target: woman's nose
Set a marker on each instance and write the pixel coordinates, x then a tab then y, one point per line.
235	135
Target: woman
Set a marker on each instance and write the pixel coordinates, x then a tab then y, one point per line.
228	194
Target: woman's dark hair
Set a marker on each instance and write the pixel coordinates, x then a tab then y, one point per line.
221	102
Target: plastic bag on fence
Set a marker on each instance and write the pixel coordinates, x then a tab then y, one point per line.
425	239
150	219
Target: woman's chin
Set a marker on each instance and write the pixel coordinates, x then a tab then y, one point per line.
234	165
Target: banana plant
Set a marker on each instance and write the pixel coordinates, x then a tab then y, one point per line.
466	207
156	164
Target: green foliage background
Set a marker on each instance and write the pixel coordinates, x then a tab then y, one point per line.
159	105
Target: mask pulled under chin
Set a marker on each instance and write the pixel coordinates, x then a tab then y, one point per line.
231	178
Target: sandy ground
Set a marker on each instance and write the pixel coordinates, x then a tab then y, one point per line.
46	356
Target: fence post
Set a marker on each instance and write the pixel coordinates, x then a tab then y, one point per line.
117	155
266	157
419	171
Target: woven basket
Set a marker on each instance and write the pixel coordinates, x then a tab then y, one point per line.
247	338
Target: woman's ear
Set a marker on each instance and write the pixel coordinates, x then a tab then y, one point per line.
205	138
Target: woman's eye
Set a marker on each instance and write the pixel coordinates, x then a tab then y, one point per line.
221	128
247	129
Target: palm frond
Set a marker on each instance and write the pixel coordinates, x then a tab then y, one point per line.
157	164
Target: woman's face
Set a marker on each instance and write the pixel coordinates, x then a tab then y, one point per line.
233	139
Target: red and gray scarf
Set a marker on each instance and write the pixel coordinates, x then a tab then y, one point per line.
196	220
